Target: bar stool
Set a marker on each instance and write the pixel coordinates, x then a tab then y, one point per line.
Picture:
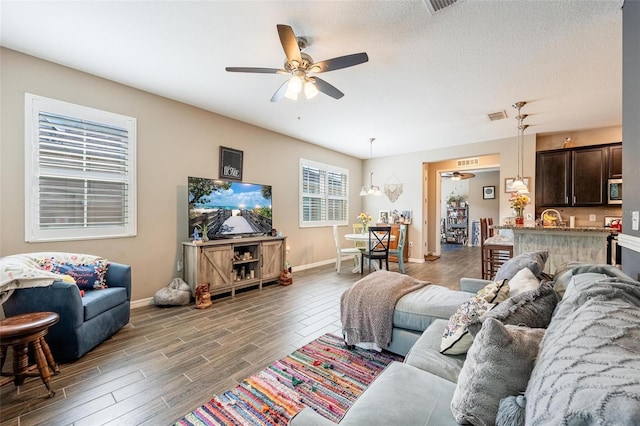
19	332
493	255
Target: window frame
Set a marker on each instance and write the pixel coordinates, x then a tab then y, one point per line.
34	232
325	197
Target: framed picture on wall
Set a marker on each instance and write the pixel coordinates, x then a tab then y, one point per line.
488	192
508	184
231	163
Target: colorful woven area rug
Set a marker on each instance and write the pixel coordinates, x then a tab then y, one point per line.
323	375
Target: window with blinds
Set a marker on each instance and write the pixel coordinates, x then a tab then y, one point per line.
324	194
80	172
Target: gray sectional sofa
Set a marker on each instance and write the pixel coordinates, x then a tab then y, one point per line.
583	367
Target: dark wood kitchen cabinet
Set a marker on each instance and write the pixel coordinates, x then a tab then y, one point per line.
553	178
615	161
576	177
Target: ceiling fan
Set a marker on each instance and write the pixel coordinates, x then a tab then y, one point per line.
457	175
300	66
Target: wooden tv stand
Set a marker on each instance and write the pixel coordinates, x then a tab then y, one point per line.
230	264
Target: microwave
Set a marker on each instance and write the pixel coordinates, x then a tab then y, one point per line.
614	191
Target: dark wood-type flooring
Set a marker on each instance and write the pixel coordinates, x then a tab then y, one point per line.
168	361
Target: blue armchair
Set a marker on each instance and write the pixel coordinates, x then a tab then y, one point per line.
85	322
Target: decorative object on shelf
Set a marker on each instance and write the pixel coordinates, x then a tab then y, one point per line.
230	163
518	202
453	199
365	219
508	184
488	192
203	297
371	189
383	216
519	184
406	216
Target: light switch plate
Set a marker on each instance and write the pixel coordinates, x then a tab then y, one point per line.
592	217
635	219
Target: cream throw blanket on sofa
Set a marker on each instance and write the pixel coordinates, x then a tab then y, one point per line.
366	309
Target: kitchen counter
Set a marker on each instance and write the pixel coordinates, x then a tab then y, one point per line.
584	244
555	228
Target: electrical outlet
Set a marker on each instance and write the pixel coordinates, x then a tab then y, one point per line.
410	243
179	265
592	217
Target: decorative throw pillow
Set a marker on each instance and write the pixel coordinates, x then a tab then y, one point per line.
533	308
523	281
87	270
535	261
497	366
87	277
511	411
456	338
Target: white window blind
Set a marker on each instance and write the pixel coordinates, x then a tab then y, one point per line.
80	172
324	194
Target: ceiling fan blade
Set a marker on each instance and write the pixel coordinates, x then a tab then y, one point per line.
340	62
282	90
327	88
257	70
289	43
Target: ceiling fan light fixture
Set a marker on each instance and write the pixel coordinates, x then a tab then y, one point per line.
310	89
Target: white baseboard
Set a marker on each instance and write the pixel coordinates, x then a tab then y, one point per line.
141	302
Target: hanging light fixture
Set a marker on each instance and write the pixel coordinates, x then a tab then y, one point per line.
371	189
519	184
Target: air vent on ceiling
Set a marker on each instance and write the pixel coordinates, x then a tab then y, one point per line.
463	162
497	115
434	6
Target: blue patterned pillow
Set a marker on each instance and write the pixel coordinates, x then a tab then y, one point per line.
87	277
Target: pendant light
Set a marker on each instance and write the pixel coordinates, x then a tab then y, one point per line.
519	184
371	189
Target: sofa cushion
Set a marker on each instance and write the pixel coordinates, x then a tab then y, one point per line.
406	394
522	281
456	338
425	354
86	277
498	365
535	261
96	302
567	271
416	310
532	308
588	367
59	262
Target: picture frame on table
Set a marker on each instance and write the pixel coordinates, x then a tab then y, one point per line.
231	163
406	217
508	184
488	192
383	216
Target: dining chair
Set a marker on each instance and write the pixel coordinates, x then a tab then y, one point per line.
378	247
493	254
344	251
399	250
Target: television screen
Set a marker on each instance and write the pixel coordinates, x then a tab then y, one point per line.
226	209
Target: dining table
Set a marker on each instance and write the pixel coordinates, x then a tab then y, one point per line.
363	237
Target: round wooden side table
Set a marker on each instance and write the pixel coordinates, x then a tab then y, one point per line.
19	332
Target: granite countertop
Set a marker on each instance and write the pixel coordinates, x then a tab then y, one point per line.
556	228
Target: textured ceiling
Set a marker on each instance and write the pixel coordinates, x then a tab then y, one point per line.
430	81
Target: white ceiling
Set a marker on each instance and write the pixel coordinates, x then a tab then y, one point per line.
430	81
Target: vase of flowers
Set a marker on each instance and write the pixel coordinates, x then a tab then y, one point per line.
518	203
365	218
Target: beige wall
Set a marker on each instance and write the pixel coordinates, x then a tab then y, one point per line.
174	141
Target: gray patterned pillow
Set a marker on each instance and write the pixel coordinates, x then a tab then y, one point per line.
534	260
498	365
588	368
533	308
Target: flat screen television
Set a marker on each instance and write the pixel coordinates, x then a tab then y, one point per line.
226	209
